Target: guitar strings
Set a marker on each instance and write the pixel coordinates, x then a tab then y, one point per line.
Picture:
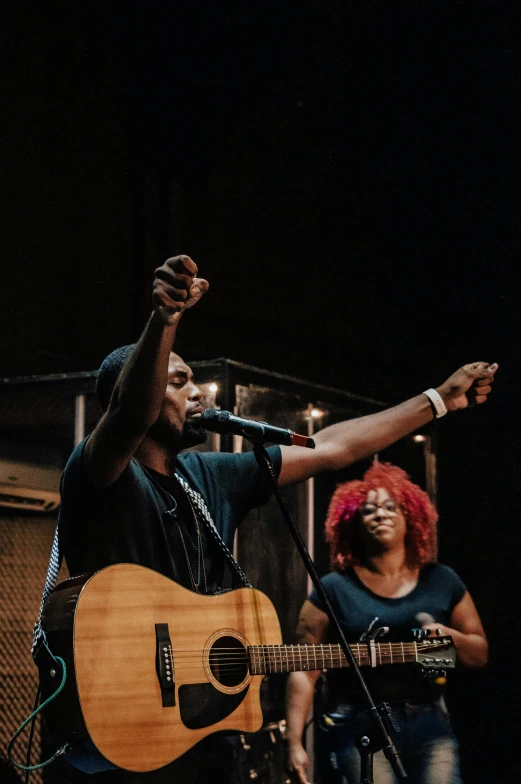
277	656
180	654
296	648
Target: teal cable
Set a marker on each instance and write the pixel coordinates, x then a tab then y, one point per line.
33	715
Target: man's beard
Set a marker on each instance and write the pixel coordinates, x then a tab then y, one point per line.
193	434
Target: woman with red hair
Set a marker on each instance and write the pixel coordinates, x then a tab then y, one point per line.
381	532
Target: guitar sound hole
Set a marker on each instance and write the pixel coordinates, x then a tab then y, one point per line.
228	661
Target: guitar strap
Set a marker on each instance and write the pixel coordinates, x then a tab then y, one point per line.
56	557
51	579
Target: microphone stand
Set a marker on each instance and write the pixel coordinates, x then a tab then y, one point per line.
379	737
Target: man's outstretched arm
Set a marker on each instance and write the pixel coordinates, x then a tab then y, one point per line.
138	395
340	445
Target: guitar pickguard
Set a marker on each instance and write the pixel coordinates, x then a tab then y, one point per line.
201	704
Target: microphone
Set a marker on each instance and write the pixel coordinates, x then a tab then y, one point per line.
257	432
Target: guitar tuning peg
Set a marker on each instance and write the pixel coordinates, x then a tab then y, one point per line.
367	635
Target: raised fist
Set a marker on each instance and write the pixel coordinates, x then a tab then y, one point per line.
177	287
470	385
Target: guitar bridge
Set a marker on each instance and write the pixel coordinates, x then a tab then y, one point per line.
165	665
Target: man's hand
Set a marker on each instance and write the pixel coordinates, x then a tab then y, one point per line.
470	385
177	287
298	762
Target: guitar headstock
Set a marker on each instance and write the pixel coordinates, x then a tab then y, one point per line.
436	653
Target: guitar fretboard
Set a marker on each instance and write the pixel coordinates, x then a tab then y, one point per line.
296	658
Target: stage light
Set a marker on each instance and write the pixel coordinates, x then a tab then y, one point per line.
419	438
213	387
316	413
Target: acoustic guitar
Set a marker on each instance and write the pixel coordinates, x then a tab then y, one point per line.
153	668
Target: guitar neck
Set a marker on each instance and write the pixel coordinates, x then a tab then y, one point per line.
266	659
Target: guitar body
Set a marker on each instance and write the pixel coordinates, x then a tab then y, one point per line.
118	681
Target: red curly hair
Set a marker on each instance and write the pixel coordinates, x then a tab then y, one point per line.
343	515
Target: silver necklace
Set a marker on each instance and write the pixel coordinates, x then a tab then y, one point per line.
201	569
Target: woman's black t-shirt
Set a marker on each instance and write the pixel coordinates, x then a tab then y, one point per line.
438	591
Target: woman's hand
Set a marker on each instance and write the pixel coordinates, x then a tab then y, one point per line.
298	761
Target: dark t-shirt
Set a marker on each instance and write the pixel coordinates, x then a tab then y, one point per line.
438	591
126	522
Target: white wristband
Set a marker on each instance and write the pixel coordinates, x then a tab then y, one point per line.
437	401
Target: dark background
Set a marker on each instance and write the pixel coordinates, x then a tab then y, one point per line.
346	175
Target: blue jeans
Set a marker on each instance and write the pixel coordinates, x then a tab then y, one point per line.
427	746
